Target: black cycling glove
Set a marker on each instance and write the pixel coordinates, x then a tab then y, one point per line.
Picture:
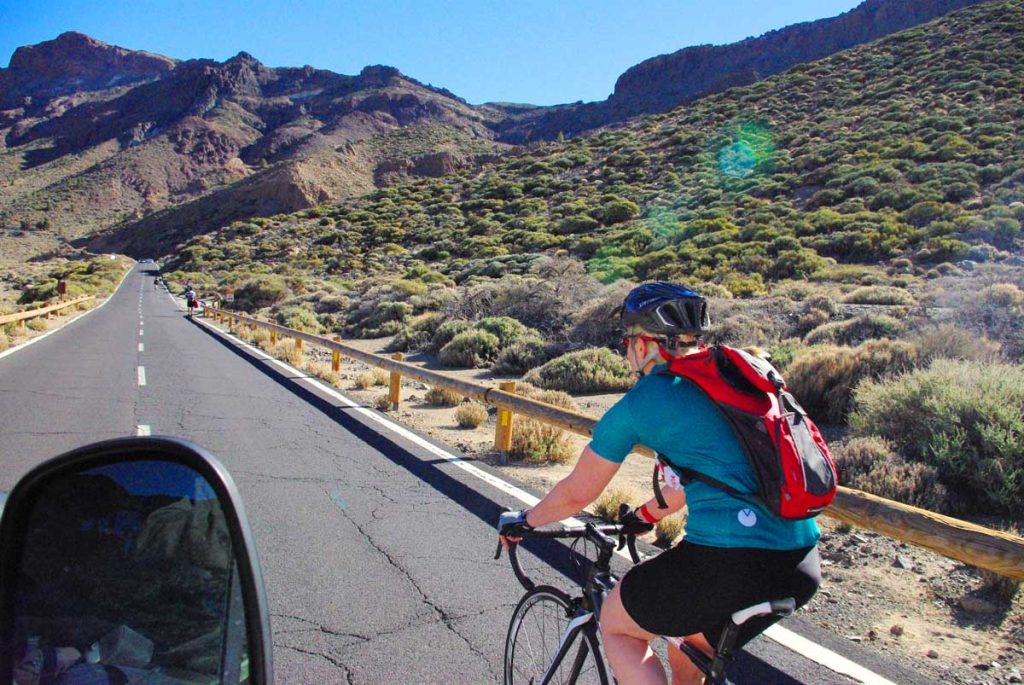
513	524
632	523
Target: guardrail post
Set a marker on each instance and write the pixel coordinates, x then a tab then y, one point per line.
336	357
298	344
273	337
395	390
231	324
503	429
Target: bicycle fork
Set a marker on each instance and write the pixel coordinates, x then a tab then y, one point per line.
576	626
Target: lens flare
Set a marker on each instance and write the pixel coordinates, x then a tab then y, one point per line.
748	148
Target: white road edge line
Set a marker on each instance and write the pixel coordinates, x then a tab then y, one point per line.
47	334
826	657
142	376
787	638
143	429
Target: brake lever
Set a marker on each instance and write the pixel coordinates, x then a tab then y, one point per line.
497	552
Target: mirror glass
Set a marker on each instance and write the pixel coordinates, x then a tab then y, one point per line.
127	575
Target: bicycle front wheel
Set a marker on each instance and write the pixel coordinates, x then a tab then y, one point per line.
538	626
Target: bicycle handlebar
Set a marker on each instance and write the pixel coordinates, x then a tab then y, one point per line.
599	535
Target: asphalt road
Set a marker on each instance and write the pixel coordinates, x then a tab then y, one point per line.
376	551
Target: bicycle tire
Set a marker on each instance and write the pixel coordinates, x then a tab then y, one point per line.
534	634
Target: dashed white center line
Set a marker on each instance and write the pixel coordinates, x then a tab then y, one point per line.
143	430
142	375
142	348
141	332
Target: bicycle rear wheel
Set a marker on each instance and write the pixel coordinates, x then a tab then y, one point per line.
534	635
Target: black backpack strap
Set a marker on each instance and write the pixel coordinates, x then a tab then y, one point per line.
659	463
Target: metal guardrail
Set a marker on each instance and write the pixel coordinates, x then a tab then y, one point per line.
972	544
21	317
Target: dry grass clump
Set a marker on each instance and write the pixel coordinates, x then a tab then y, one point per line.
324	371
823	378
470	415
287	351
372	378
965	419
583	371
38	324
442	397
607	504
540	443
668	529
879	294
5	342
382	402
521	356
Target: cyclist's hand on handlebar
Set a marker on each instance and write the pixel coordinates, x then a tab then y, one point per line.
631	521
512	526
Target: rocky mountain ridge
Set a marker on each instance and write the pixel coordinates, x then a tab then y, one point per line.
667	81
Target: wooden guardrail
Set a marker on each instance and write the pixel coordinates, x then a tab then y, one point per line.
986	548
21	317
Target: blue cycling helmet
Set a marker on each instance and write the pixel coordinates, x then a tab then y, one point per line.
667	309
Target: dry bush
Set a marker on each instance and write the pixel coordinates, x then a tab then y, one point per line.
856	330
4	341
521	356
593	324
38	324
382	402
870	463
823	378
947	341
537	442
470	415
442	397
879	294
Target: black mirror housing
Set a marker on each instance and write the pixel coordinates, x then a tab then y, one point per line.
118	554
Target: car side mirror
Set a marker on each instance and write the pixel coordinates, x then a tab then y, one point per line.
130	561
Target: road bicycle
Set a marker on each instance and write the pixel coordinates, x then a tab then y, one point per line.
553	637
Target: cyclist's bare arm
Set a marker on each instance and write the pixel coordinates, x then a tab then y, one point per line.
675	499
570	495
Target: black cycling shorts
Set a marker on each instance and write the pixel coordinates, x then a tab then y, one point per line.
693	589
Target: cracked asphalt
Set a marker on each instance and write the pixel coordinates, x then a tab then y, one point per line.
377	555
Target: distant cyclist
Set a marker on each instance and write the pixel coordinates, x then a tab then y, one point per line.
191	298
733	554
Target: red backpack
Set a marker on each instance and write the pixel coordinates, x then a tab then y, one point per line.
796	477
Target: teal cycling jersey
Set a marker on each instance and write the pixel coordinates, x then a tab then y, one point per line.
673	416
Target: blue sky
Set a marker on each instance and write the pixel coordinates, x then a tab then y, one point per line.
543	52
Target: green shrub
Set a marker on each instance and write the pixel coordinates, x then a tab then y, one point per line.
298	318
470	349
506	329
38	324
964	418
596	369
668	529
260	292
470	415
520	357
856	330
416	335
879	294
445	332
823	379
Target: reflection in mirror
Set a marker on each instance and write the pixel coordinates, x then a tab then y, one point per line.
128	576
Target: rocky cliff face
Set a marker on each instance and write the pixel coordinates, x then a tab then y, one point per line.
70	63
667	81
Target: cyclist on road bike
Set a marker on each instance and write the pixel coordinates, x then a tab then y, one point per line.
733	555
